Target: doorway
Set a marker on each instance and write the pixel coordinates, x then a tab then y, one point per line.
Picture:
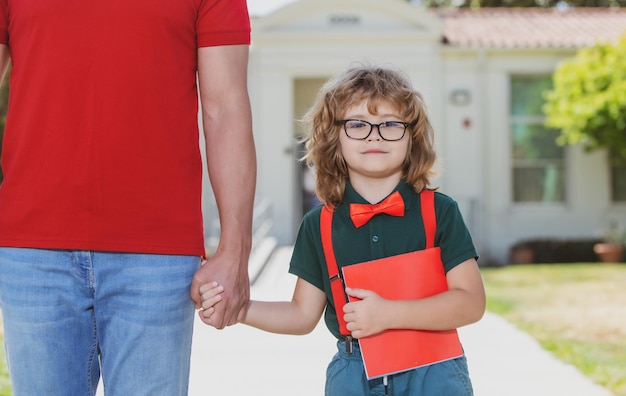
305	90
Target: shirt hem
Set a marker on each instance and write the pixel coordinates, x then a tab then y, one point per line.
116	247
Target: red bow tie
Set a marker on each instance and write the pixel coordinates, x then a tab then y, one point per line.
361	213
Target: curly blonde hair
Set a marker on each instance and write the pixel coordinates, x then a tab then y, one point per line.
376	86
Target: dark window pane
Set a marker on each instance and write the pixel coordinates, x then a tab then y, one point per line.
539	184
527	94
618	182
535	142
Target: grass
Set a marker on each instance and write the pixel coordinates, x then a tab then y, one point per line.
575	311
5	382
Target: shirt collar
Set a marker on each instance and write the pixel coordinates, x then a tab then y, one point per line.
351	196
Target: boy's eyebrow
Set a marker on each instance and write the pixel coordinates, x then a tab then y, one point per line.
363	116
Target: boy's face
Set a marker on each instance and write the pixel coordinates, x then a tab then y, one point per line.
373	158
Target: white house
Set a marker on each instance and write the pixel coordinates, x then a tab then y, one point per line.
481	72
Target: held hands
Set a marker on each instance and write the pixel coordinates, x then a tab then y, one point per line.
368	316
211	294
235	295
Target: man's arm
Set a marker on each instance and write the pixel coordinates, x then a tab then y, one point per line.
4	60
231	161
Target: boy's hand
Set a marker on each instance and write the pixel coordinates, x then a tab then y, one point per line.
210	294
236	283
366	316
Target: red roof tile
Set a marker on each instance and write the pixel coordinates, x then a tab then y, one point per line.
531	27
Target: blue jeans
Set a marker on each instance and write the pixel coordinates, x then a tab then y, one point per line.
345	376
69	315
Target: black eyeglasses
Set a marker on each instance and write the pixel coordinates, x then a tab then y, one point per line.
361	130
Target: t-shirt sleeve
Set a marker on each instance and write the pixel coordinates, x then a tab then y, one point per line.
223	22
307	258
453	236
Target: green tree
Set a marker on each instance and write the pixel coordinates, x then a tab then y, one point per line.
588	99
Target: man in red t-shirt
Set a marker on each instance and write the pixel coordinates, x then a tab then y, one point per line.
101	231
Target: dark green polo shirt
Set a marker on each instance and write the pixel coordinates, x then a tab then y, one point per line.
382	236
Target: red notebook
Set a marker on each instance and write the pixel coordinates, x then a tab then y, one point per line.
407	276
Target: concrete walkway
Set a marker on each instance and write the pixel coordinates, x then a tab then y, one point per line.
242	361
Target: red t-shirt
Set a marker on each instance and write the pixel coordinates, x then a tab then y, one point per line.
101	148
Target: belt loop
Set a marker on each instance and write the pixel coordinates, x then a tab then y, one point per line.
348	342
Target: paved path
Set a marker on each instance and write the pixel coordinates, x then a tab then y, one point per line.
242	361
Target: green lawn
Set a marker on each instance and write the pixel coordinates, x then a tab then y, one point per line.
5	384
576	311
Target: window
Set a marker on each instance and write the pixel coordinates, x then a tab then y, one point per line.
538	173
618	179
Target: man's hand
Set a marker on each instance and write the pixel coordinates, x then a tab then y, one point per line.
230	272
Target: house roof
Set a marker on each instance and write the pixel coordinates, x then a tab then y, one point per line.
531	27
562	26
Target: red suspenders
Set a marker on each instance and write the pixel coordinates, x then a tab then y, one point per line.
427	204
336	282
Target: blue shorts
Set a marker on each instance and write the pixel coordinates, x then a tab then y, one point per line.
71	315
345	376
